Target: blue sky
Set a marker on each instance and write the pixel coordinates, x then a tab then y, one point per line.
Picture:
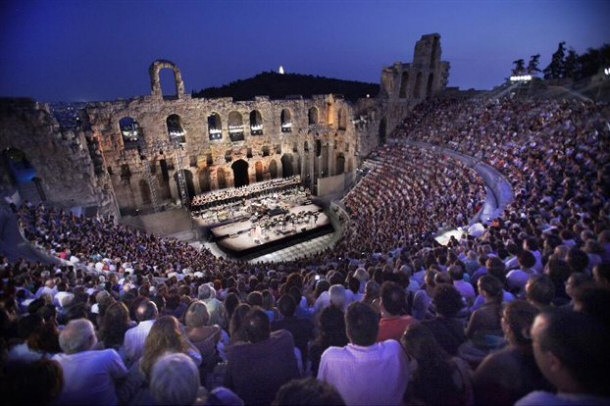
101	50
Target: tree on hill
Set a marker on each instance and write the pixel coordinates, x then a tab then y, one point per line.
571	64
519	68
556	69
532	66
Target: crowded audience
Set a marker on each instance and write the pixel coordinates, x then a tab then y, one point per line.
517	314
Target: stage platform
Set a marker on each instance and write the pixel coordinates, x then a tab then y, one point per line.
249	239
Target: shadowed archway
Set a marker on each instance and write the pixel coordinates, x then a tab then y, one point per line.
240	173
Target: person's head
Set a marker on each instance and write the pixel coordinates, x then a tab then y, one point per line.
287	306
29	329
256	325
196	315
372	291
601	274
255	298
490	287
230	303
540	290
33	383
571	351
517	320
237	324
165	336
526	259
174	380
393	299
77	336
205	291
594	301
456	272
146	310
114	324
307	391
336	294
361	324
331	326
420	343
448	301
577	281
577	259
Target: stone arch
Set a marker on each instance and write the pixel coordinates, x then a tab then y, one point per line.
312	116
340	165
273	169
188	180
258	167
430	84
256	123
383	128
287	165
214	127
417	91
175	130
236	126
205	183
404	83
145	191
155	82
130	131
342	118
286	120
240	173
221	177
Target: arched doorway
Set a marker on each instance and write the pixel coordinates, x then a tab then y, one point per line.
188	179
340	164
204	180
240	173
222	179
145	192
382	130
287	168
259	171
273	169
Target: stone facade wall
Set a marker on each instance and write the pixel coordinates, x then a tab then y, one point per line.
205	159
62	158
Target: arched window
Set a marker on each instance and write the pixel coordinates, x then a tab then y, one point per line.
265	150
318	147
340	166
273	169
313	116
130	131
404	82
214	127
256	123
286	121
417	92
236	126
342	118
174	129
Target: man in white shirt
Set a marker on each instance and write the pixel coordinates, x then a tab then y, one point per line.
146	313
89	376
365	372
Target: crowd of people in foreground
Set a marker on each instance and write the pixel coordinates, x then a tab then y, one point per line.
517	315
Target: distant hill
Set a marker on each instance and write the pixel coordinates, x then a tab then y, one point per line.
279	86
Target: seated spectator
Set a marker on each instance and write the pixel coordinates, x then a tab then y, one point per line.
517	278
394	319
365	372
90	376
218	313
32	383
307	391
510	373
601	275
237	330
330	332
573	359
258	368
115	324
456	272
437	379
30	328
146	314
540	291
446	327
174	380
202	335
301	329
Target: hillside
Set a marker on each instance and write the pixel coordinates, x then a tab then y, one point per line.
279	86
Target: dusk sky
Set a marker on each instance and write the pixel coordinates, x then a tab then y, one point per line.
88	50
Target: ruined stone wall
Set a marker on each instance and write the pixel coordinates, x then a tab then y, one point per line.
62	158
403	86
206	158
